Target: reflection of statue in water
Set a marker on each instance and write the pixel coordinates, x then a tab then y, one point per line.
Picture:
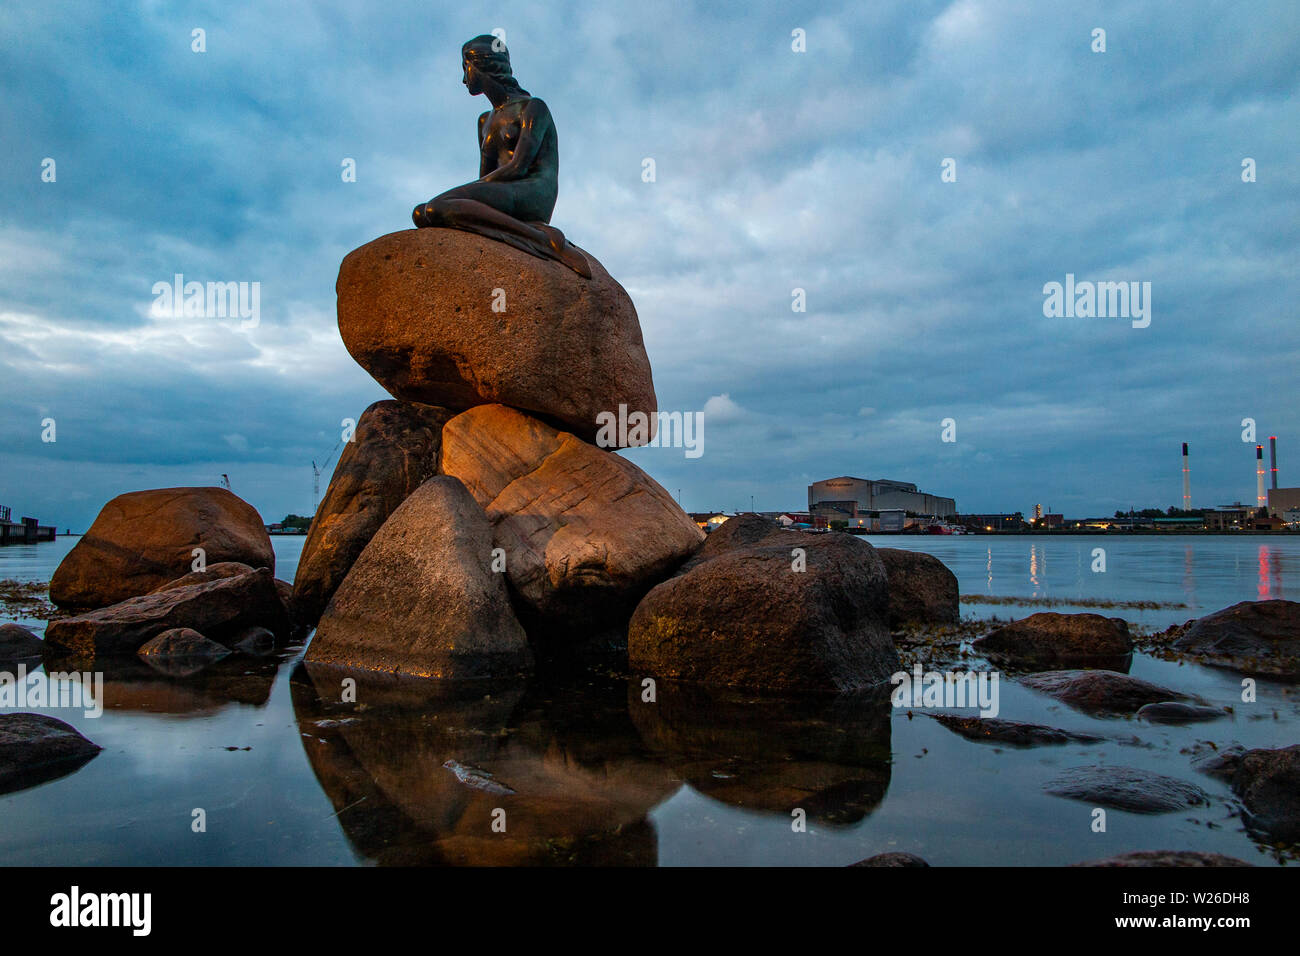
519	166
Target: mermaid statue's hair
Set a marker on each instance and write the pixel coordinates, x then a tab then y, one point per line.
490	56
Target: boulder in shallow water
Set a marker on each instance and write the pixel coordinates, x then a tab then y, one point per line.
994	730
1127	788
803	614
18	643
1100	692
144	539
393	451
422	599
1268	782
219	609
1177	712
36	748
1167	858
892	859
1253	637
1053	640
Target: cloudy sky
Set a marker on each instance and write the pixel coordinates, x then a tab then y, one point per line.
775	170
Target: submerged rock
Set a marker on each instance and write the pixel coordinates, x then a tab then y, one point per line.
1221	763
1253	637
1166	858
422	600
1016	734
583	533
1100	692
18	643
35	748
1053	640
393	451
144	539
806	614
1268	782
450	318
219	609
892	859
183	642
922	590
1177	712
1127	788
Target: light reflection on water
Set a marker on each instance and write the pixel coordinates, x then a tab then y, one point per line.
599	776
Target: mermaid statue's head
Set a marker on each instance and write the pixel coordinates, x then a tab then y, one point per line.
486	57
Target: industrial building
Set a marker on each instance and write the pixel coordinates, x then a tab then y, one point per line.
1282	500
857	497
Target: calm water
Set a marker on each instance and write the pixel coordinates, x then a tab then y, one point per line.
600	777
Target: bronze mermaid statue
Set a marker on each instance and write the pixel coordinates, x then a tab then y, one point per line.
519	166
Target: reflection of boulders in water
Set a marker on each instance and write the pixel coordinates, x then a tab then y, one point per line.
131	684
37	748
405	767
827	756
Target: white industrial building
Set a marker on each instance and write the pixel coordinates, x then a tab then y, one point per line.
852	496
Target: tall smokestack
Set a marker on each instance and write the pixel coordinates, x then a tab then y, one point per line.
1187	482
1261	500
1272	457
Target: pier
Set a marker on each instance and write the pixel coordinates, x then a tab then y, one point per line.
26	531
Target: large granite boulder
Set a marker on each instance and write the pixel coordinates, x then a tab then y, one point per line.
143	539
446	317
807	612
394	450
583	533
1049	640
1254	637
922	590
1100	692
36	748
220	609
1268	782
422	599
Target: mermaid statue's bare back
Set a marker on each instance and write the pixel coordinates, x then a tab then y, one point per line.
519	166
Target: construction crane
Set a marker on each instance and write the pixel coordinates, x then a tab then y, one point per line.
315	477
225	481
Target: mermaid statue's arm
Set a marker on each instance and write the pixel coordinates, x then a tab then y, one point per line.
484	160
534	123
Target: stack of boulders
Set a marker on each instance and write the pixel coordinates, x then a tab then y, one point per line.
482	517
179	575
